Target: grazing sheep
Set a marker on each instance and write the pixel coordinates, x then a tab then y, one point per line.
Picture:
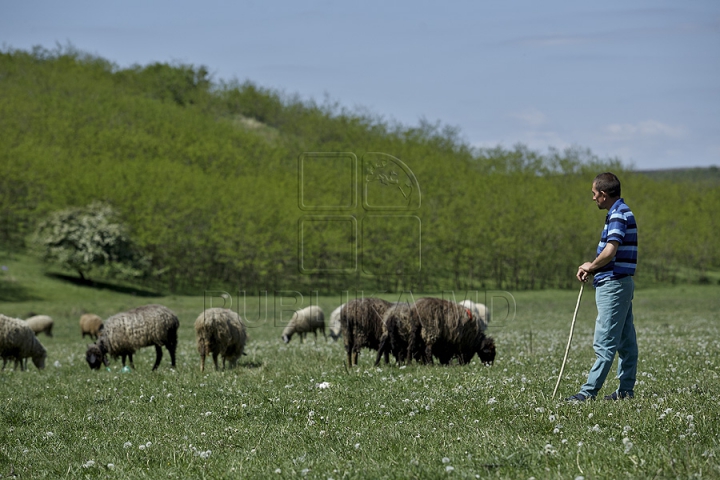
220	331
361	321
18	342
40	323
126	332
480	312
335	327
91	324
487	351
448	329
401	334
309	319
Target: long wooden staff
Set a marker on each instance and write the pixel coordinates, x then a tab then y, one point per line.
567	349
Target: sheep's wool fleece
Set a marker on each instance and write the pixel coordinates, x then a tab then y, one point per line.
139	327
220	328
89	322
15	335
306	320
39	323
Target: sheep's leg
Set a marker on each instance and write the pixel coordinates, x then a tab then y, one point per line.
355	357
202	363
215	355
381	349
158	356
349	355
132	364
172	356
123	358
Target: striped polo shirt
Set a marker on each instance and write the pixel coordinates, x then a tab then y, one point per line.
619	226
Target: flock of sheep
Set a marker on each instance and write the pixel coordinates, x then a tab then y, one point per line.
430	327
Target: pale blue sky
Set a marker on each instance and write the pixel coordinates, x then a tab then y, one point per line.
639	80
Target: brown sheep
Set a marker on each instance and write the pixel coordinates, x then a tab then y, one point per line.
128	331
361	325
220	331
91	324
18	342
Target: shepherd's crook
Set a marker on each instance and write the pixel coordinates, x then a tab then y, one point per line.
567	349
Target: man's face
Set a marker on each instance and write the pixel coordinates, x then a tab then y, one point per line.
600	198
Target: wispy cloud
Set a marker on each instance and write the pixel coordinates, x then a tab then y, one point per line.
711	25
646	128
531	116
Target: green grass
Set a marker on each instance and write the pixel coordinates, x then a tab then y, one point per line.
271	414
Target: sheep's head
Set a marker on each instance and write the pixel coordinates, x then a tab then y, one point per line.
39	354
486	351
95	355
288	333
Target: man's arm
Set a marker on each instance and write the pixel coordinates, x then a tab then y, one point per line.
603	259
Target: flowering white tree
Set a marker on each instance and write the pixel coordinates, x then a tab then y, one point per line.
87	238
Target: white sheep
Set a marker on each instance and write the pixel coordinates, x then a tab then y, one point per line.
40	323
480	313
18	342
335	327
309	319
220	331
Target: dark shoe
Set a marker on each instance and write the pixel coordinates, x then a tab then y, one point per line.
578	397
619	396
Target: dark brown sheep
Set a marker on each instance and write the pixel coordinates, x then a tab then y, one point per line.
447	329
401	334
361	325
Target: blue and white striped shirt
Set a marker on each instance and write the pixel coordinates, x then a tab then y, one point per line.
620	226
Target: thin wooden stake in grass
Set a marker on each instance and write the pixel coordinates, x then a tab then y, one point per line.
567	349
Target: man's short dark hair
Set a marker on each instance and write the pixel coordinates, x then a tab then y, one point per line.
607	182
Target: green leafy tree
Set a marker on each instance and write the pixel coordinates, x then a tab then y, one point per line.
88	238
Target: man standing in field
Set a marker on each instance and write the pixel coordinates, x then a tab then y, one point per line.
613	269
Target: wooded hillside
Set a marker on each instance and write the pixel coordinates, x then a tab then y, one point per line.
206	176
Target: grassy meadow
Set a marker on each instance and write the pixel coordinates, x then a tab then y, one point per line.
296	411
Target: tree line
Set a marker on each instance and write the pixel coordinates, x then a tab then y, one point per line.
204	176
